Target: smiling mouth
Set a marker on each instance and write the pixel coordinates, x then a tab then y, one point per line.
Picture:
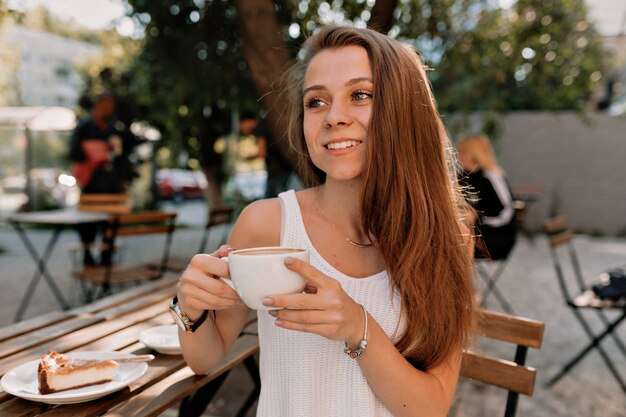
342	145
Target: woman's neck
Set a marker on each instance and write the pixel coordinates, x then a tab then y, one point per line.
340	203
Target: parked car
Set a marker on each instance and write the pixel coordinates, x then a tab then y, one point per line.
179	184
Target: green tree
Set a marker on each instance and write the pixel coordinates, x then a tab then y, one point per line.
540	55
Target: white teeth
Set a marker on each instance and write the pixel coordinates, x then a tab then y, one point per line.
343	145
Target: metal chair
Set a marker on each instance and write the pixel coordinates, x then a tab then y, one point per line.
562	250
490	271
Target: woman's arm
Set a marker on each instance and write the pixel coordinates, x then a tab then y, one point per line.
405	390
200	288
331	313
497	200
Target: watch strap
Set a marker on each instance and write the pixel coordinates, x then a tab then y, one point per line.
193	326
199	322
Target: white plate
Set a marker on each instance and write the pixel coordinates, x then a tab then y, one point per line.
163	339
22	382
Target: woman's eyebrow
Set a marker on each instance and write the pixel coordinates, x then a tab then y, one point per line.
313	88
350	82
358	80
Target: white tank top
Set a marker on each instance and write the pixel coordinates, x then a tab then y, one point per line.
307	375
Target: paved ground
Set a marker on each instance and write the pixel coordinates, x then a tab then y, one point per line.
528	282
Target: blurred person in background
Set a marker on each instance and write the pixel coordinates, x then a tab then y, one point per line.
100	163
490	195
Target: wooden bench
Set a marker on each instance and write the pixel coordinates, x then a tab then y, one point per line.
125	225
512	375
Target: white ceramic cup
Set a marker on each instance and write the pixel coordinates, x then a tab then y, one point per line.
259	272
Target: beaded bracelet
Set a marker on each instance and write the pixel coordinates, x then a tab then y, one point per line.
358	351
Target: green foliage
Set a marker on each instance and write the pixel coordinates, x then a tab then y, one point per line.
190	73
541	55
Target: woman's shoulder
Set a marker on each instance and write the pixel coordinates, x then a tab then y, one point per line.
258	224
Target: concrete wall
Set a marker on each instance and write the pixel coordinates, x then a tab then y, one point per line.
579	164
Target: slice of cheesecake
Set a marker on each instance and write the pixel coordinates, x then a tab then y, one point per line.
57	372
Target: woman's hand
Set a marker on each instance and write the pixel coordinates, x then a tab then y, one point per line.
324	308
200	287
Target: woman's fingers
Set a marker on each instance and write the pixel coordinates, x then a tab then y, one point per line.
223	251
311	274
299	301
200	286
325	330
210	265
306	316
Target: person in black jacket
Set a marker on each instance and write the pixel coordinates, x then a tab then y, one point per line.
490	195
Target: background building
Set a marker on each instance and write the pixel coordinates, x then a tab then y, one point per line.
46	71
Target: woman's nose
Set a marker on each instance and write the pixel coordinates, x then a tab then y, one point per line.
338	114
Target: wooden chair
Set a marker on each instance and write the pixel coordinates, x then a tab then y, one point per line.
219	219
514	376
126	225
106	203
579	297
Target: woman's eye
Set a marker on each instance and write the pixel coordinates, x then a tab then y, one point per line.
313	103
361	95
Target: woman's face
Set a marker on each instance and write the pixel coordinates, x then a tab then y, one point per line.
337	108
468	163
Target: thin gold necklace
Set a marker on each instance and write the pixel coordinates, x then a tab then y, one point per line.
350	241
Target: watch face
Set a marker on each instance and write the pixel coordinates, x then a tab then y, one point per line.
178	320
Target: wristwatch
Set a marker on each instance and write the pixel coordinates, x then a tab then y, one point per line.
182	320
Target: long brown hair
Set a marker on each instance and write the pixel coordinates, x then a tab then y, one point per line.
410	201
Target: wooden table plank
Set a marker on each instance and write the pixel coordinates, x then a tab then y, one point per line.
161	396
50	333
35	323
18	407
123	338
47	334
83	336
160	297
168	281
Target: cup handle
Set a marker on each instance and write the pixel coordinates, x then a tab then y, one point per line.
228	281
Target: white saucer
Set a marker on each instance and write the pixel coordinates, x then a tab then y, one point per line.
163	339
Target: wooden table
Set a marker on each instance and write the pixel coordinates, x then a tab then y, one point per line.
114	324
59	220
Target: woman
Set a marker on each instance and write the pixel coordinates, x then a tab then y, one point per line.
492	199
383	241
